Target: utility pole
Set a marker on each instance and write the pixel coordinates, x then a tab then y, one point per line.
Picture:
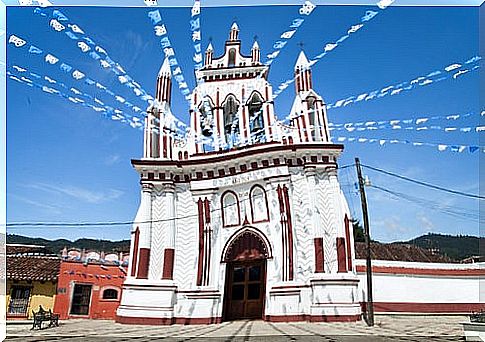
368	267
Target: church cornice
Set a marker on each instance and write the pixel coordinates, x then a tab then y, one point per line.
238	161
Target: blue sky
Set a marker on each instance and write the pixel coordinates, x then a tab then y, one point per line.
68	163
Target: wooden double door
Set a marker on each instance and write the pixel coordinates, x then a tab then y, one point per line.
245	290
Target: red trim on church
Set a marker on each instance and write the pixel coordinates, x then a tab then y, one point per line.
135	252
423	271
289	227
341	257
143	263
168	263
319	261
347	240
201	242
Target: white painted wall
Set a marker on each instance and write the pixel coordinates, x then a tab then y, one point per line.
413	288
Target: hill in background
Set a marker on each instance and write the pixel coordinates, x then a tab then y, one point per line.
56	246
454	248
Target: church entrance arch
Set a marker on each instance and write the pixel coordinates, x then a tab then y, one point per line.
245	256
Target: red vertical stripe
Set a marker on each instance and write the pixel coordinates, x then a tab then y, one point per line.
341	259
143	263
219	132
348	242
207	241
201	242
305	131
283	229
318	245
134	260
168	261
290	232
164	139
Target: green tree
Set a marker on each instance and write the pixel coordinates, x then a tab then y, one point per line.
358	230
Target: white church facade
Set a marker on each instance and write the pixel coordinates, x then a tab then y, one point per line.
245	218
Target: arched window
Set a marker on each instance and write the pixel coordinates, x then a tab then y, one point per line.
206	117
110	294
313	118
259	204
230	209
231	120
232	58
256	121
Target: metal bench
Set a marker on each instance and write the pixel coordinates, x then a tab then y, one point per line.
44	316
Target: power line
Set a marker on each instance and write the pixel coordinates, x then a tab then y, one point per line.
432	186
111	224
452	211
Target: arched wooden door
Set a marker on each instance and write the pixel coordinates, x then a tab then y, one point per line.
245	284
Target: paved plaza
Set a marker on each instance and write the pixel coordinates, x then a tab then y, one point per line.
387	328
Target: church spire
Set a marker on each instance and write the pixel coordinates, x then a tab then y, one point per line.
303	74
164	83
209	52
255	54
233	34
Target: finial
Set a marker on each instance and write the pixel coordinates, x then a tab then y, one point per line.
165	68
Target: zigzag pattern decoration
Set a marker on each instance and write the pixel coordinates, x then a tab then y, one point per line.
327	219
303	229
186	239
157	243
274	234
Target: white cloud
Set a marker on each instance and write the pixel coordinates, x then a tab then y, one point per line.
50	207
113	159
426	224
89	196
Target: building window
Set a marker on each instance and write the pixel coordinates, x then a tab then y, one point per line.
230	209
231	120
232	58
19	301
207	124
81	298
313	118
256	121
206	117
110	294
259	204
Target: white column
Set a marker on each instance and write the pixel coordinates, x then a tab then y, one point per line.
146	217
311	182
169	189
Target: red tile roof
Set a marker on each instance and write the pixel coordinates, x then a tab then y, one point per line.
33	267
26	249
399	252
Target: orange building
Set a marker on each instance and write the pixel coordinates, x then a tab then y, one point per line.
89	289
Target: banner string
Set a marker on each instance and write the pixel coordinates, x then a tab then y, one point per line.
35	80
452	71
70	70
368	16
417	121
59	22
160	31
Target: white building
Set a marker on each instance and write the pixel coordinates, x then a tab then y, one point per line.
245	218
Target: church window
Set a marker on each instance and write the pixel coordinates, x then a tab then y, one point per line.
230	209
313	118
232	58
256	121
206	118
259	204
231	121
